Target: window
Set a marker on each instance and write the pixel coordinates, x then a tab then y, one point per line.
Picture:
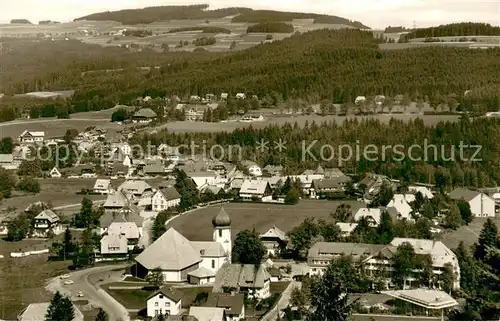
156	304
213	264
167	304
161	296
220	233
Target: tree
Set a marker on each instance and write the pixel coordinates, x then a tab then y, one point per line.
6	183
465	211
155	277
447	278
70	135
404	262
159	227
29	184
248	248
384	196
385	230
292	197
342	213
84	219
186	187
329	297
120	115
6	145
488	239
233	45
101	315
60	309
301	236
452	218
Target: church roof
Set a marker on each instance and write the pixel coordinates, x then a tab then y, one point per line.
221	219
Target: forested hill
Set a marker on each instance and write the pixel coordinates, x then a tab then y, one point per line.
200	12
456	29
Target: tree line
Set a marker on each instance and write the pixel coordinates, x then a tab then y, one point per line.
271	27
455	29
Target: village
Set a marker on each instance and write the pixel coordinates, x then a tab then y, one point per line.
161	266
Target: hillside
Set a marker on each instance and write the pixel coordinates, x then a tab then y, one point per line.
456	29
201	12
270	27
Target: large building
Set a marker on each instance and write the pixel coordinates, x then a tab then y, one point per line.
377	258
182	260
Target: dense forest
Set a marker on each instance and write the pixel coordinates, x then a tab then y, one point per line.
456	29
435	166
393	29
204	41
200	12
201	28
138	33
338	65
271	27
21	21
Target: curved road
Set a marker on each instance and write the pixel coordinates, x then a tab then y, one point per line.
87	282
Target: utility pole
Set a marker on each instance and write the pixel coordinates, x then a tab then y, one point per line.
414	24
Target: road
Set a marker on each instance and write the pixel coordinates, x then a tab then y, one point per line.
87	281
283	302
48	120
75	205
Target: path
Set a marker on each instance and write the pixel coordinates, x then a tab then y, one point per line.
283	302
87	282
75	205
48	120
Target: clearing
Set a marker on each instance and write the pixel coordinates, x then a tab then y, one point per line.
469	234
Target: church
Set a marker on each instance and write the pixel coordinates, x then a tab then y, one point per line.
182	260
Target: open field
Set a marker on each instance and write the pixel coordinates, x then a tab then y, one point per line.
197	225
468	234
23	279
187	126
55	127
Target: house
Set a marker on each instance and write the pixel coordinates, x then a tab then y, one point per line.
164	301
38	311
274	240
224	96
126	214
329	186
195	112
116	201
426	192
481	205
135	187
114	246
252	168
103	186
55	173
248	278
181	259
129	230
203	179
252	117
272	170
346	228
207	313
256	190
165	199
201	276
401	205
29	137
7	162
45	224
373	215
241	96
144	115
232	303
154	168
377	259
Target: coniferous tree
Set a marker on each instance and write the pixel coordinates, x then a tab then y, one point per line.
101	315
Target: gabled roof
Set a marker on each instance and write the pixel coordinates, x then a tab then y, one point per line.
116	200
207	313
240	276
463	193
146	113
116	241
172	251
48	215
102	184
202	272
357	250
129	229
170	193
168	292
257	187
232	303
374	213
439	252
125	215
134	186
275	232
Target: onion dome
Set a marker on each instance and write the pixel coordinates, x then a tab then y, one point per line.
221	219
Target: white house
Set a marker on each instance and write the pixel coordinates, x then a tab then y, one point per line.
401	203
179	258
114	245
346	228
254	280
165	199
164	301
46	223
256	189
103	186
203	179
224	96
241	96
372	215
55	173
481	205
253	168
29	137
274	240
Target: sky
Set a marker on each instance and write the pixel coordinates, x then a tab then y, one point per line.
373	13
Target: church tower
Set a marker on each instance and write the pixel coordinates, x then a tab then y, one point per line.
222	231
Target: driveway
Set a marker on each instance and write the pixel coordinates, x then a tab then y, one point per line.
87	281
283	302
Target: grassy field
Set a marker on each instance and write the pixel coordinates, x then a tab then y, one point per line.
468	234
197	225
23	279
132	299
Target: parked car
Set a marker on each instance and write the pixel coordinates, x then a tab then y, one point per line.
69	282
64	276
80	294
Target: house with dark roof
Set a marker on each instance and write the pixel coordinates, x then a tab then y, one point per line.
481	205
164	199
325	187
45	224
245	278
144	115
274	240
165	301
232	303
